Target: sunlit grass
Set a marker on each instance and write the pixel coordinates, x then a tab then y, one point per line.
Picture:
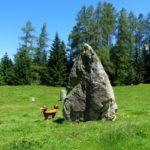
22	126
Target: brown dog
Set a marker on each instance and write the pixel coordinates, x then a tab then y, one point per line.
49	112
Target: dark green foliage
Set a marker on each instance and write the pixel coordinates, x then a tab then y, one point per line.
7	71
146	51
135	70
104	54
40	75
57	63
37	57
106	20
1	77
82	31
24	59
44	76
121	40
1	80
121	57
137	58
146	63
132	26
23	67
95	27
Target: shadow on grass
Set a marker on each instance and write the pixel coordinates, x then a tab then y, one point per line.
59	121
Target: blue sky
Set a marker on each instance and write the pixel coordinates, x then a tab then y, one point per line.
58	14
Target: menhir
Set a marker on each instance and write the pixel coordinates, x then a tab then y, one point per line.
89	95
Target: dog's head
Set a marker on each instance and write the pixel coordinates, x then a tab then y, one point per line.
55	106
44	108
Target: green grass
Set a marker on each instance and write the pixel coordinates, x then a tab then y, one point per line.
22	126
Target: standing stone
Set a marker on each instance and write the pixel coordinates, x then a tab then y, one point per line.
90	95
63	94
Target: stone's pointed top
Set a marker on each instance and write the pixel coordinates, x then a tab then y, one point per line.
87	53
90	94
87	46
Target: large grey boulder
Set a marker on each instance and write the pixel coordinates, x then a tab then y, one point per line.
89	95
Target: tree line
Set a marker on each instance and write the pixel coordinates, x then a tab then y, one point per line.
34	63
121	40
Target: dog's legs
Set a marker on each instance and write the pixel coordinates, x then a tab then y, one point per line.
53	115
46	117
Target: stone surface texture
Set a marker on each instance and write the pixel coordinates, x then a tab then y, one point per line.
63	94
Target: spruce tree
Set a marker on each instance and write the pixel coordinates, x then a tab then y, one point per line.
133	50
146	63
138	55
146	51
121	52
28	38
1	77
132	24
7	70
57	63
74	40
23	67
95	27
82	31
106	25
108	22
98	26
42	44
64	64
40	58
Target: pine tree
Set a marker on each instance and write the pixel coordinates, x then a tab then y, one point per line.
132	24
74	41
40	58
146	63
106	25
108	20
98	26
133	50
146	51
42	45
57	63
120	54
139	38
82	31
95	27
64	66
28	38
1	77
23	67
7	71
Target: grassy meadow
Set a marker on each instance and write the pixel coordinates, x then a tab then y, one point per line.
22	126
